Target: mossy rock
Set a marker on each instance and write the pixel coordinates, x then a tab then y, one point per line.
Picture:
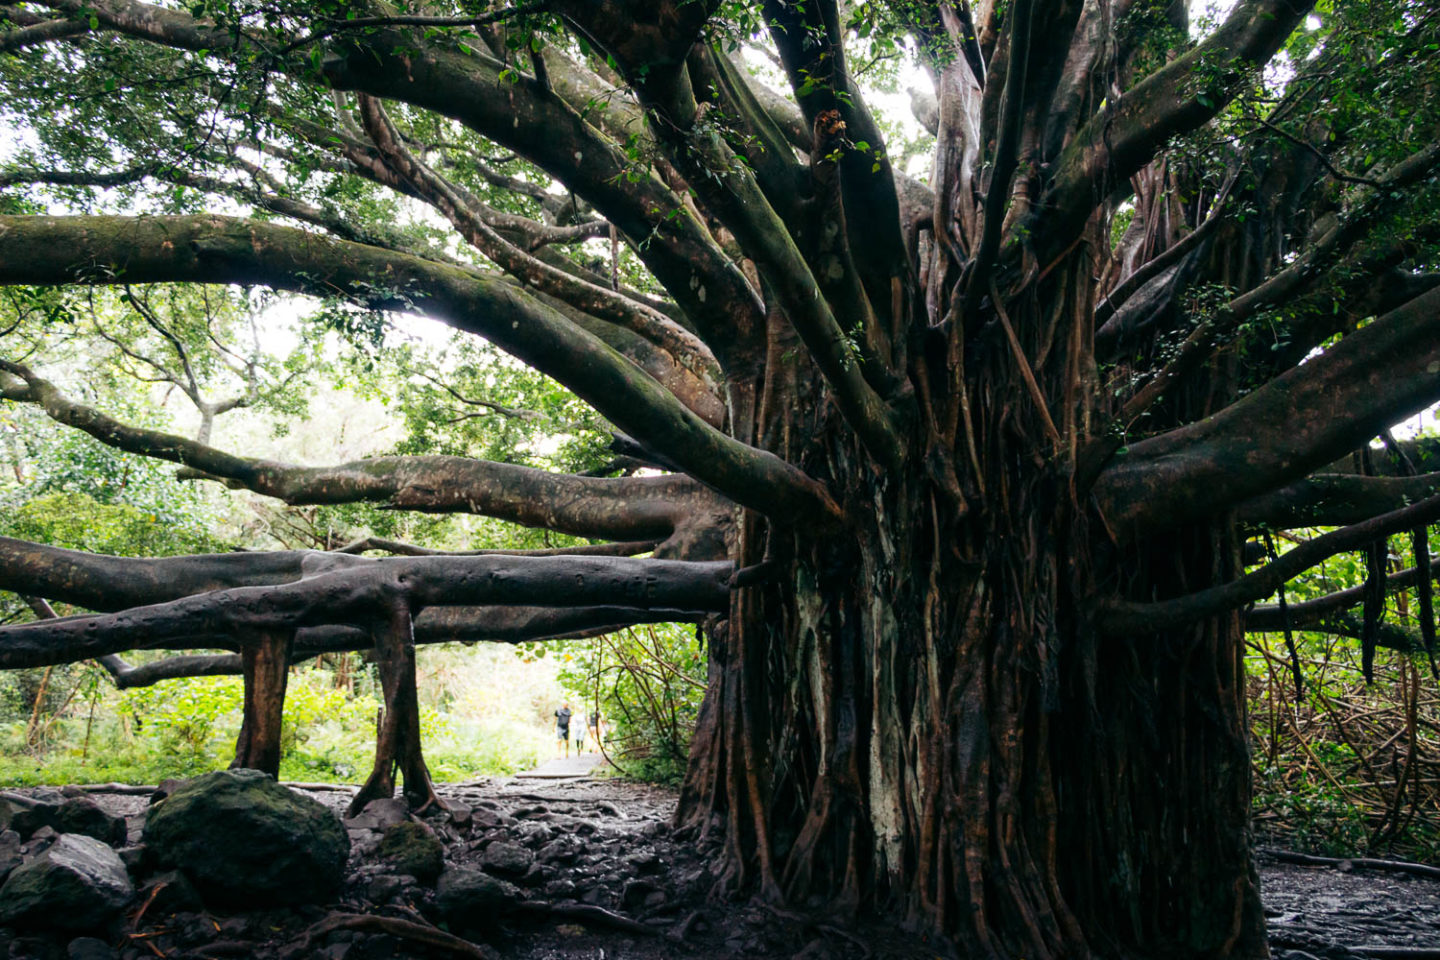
245	840
413	848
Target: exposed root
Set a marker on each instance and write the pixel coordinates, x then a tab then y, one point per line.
402	929
587	913
1362	863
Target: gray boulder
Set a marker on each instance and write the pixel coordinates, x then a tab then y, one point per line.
245	840
507	859
76	815
10	857
79	883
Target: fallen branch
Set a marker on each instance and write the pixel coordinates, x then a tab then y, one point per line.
1363	863
403	929
587	913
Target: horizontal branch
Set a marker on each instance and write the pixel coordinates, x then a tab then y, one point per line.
1312	611
1335	499
65	250
356	591
1296	423
99	582
628	507
1121	617
1391	636
623	549
434	625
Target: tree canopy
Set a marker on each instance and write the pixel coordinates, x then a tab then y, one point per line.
952	439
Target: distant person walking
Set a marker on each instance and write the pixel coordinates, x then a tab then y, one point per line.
562	729
597	731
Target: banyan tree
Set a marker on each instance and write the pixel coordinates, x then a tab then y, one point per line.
957	469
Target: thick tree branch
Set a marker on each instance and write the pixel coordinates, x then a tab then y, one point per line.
1181	96
599	302
357	592
623	549
1335	499
435	625
63	250
1392	636
1298	422
625	508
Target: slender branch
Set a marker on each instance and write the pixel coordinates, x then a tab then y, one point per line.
1334	499
1125	617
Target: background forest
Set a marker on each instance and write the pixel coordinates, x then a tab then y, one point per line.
486	708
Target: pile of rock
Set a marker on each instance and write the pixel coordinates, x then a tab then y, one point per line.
234	838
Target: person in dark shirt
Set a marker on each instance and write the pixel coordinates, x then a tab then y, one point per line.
597	731
562	729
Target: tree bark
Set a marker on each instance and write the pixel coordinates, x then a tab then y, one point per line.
265	665
397	745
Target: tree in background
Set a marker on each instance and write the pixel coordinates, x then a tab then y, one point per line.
957	470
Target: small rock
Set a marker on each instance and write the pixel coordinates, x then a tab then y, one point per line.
635	893
88	948
535	834
413	848
83	815
383	887
560	889
563	850
77	884
136	858
471	898
460	815
44	833
646	861
8	809
336	951
361	822
387	811
592	895
537	874
507	859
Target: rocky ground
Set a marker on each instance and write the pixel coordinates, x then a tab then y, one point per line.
574	869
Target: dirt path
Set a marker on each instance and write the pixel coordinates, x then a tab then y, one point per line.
604	877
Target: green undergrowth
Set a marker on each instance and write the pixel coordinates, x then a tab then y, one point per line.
181	728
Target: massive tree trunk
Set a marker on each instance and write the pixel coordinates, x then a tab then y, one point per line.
922	714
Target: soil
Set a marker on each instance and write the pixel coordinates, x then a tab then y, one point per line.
611	881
